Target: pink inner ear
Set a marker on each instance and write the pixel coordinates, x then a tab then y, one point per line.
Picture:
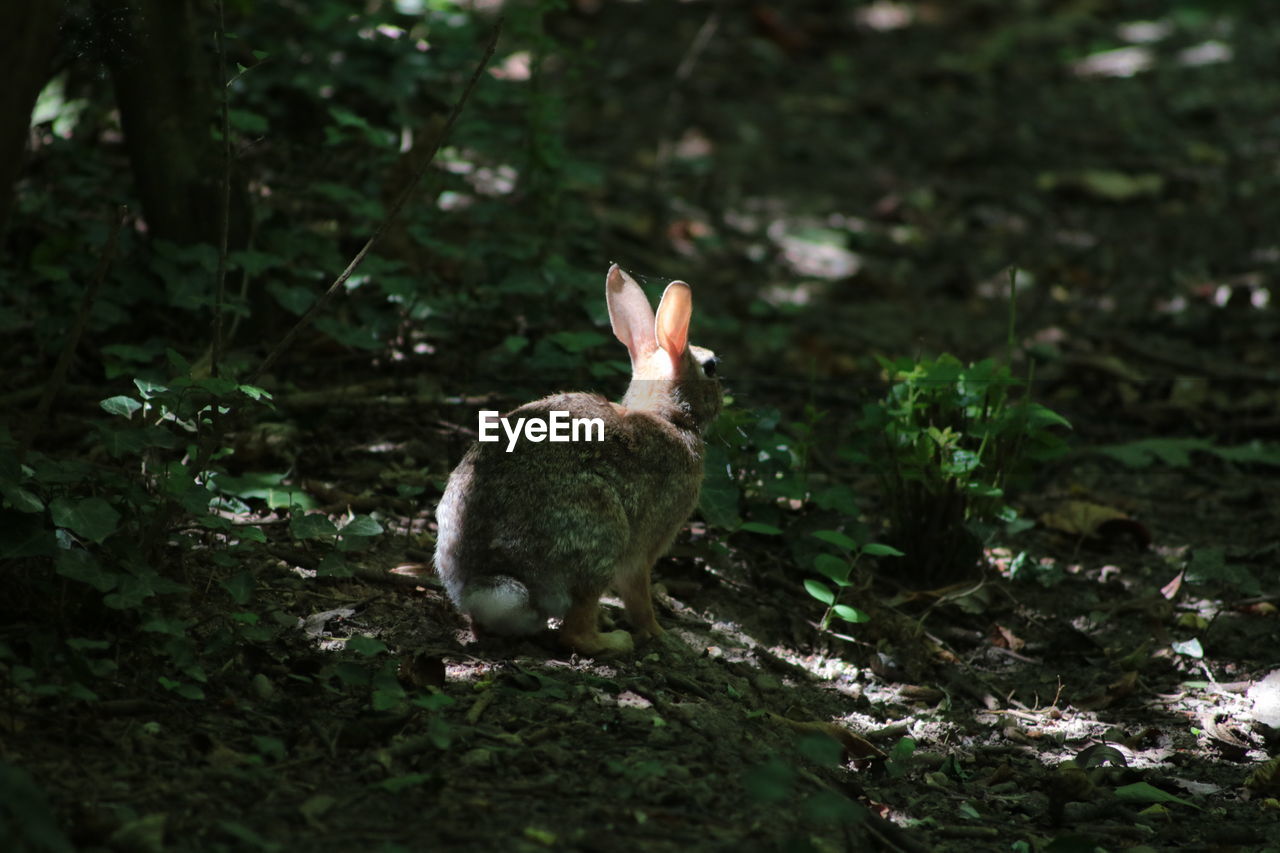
629	314
674	314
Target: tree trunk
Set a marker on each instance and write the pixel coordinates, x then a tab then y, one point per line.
27	29
167	91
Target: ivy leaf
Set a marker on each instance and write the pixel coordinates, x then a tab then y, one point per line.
362	525
20	499
120	405
1191	648
92	518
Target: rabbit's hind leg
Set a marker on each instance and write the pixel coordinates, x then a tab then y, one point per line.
637	597
581	631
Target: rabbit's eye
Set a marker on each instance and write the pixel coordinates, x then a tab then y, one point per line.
709	366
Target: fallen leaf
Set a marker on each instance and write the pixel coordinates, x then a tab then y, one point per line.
1095	521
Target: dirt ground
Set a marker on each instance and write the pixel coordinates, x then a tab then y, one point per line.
1051	704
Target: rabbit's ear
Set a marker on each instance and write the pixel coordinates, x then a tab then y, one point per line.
630	314
674	312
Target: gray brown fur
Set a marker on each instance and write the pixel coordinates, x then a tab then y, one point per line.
543	531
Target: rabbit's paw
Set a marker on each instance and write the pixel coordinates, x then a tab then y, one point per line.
617	643
602	644
652	631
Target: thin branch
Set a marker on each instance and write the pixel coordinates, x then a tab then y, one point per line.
224	198
672	108
392	215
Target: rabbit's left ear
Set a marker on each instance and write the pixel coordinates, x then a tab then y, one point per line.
674	313
630	314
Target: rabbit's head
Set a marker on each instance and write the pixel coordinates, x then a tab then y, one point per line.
669	376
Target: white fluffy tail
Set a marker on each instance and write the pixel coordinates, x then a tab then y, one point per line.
502	605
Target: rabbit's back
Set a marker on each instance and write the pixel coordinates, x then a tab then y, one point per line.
531	528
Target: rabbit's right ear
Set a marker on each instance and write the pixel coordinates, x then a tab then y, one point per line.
630	314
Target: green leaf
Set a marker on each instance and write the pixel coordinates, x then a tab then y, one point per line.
265	486
850	614
186	691
763	529
332	565
80	565
835	537
218	386
251	533
177	361
165	625
820	591
253	392
833	567
240	587
148	389
1041	416
718	502
20	499
1255	453
1144	792
837	498
361	525
1190	648
92	518
876	549
120	405
313	526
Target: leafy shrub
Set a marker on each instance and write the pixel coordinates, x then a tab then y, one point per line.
945	443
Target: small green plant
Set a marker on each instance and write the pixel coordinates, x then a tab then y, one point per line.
839	571
944	443
92	540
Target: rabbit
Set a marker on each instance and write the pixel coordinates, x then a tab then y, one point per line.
544	530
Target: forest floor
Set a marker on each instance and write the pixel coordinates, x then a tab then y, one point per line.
1110	681
1058	700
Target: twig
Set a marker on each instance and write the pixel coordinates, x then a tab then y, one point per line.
392	215
224	198
59	375
675	100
